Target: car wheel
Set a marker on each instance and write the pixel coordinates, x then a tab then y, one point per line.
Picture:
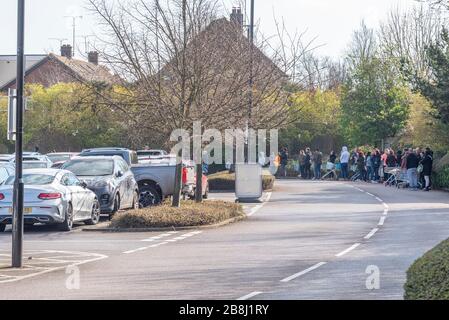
2	227
67	225
149	196
95	214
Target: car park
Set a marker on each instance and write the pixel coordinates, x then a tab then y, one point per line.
128	155
59	158
150	154
51	197
35	164
6	170
110	178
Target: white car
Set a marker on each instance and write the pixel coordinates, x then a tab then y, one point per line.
51	197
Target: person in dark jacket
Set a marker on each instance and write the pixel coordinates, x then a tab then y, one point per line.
412	163
284	161
376	161
427	164
361	169
307	164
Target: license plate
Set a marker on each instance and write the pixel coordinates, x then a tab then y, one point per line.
25	210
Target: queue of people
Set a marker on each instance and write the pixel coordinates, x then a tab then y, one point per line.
374	166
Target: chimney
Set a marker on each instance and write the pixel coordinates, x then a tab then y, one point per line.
237	16
92	57
66	51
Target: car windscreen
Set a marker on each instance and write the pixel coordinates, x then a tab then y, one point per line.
59	157
32	179
34	165
148	153
91	168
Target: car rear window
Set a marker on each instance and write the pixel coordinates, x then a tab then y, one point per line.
33	179
90	168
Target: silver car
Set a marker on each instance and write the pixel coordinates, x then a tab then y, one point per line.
51	197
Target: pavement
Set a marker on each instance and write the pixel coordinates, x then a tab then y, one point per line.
306	240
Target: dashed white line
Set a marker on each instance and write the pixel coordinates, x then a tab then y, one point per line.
381	221
347	250
299	274
372	233
385	212
259	206
250	295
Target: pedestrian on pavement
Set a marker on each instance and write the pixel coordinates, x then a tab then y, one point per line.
301	159
361	169
369	167
331	166
317	162
376	160
344	161
412	162
308	164
427	164
283	155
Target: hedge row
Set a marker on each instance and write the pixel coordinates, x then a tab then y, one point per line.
428	277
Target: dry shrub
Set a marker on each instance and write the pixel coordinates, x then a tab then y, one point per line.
189	214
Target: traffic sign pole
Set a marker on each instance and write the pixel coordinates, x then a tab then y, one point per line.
17	221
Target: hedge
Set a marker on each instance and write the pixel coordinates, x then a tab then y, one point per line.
441	178
428	277
225	181
189	214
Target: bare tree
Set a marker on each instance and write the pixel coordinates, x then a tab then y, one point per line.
405	36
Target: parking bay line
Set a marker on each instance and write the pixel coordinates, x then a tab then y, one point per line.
299	274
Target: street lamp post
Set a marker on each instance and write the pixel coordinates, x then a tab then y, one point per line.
17	222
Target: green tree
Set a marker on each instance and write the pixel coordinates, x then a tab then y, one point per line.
436	88
375	102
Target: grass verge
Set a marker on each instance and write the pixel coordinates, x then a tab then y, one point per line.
189	214
428	277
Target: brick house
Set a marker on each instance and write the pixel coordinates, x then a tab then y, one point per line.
51	69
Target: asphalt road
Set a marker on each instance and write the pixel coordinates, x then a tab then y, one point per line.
311	240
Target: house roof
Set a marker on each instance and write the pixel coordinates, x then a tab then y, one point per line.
8	66
86	71
80	70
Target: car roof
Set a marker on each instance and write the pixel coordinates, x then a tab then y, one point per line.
47	171
105	149
34	161
61	153
97	158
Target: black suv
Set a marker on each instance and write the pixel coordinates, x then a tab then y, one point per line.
110	178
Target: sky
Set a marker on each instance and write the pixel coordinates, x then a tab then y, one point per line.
329	22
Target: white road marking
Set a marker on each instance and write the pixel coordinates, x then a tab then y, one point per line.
249	296
379	199
347	250
372	233
296	275
385	212
136	250
381	221
96	257
259	206
370	194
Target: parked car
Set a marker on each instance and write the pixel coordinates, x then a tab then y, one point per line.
110	178
51	197
59	158
35	164
27	156
129	156
149	154
6	170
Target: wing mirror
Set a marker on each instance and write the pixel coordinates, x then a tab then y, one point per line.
119	174
83	184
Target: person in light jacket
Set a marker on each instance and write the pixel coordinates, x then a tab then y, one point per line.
344	160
